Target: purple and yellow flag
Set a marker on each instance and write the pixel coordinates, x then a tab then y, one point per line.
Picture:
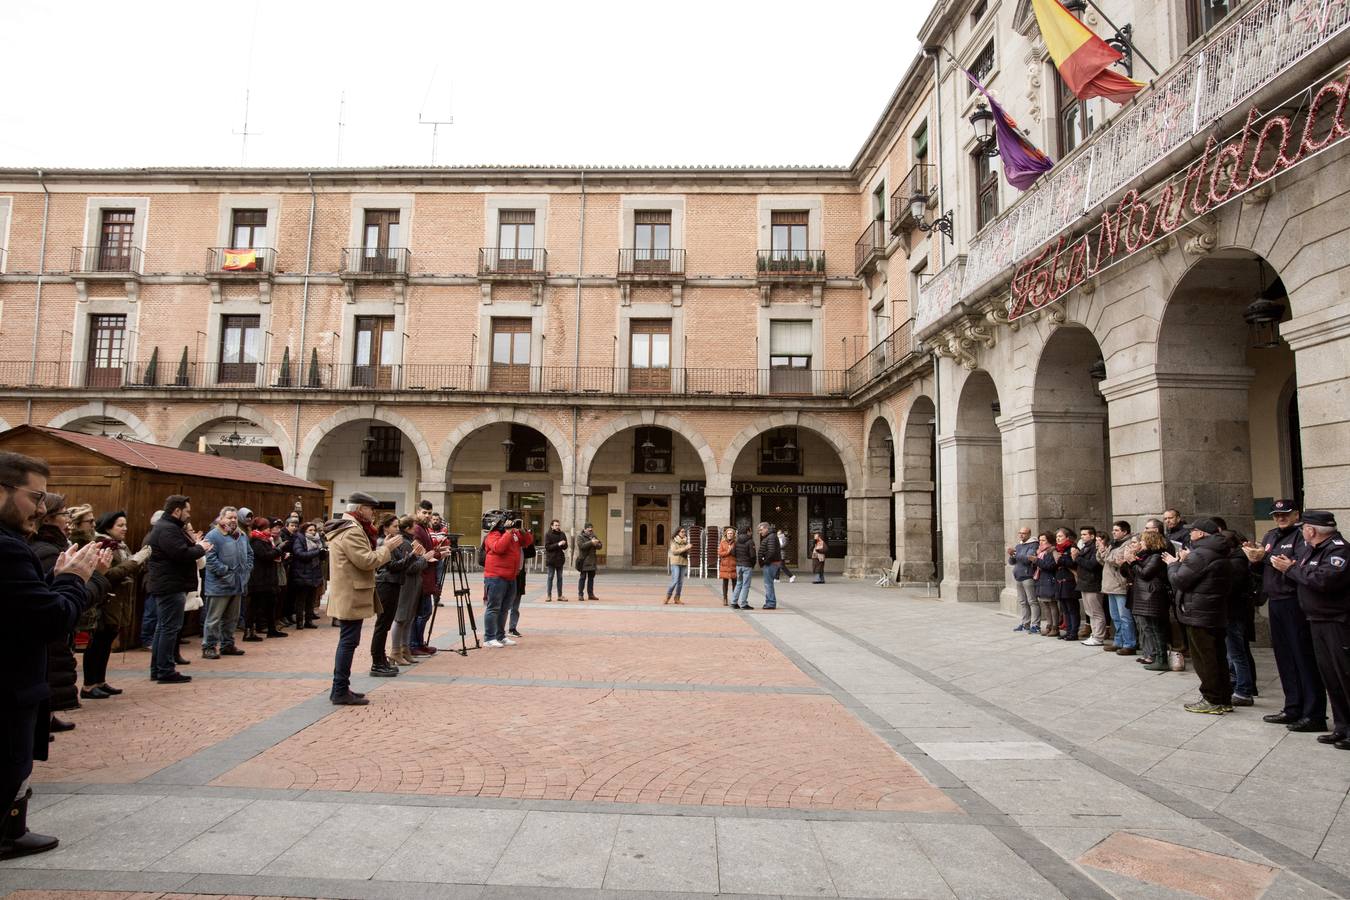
1022	162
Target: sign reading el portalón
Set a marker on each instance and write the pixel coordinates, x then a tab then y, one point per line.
1267	145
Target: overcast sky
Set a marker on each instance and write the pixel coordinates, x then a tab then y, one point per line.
693	82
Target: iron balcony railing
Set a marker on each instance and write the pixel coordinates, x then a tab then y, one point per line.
105	258
376	262
869	246
642	262
892	350
295	374
791	263
513	261
242	261
920	181
1264	40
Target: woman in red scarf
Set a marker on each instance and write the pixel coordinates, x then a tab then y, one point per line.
1046	590
1066	585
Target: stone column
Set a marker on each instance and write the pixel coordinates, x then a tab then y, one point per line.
972	516
438	492
873	521
717	502
573	522
1321	344
1181	439
914	530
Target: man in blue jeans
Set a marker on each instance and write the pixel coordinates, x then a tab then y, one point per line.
1116	588
170	574
771	559
745	567
352	561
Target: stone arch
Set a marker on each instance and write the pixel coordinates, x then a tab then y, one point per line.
231	411
878	477
917	545
843	446
641	418
358	414
100	410
1069	430
452	443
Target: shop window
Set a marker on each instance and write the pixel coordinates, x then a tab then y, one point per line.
780	453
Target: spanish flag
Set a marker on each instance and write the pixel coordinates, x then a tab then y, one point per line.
1083	59
240	261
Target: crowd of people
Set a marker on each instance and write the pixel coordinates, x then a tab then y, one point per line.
1181	592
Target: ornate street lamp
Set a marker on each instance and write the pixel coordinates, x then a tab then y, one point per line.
982	120
507	446
1263	314
918	206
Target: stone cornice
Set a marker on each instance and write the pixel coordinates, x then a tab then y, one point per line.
1033	416
1147	381
1318	327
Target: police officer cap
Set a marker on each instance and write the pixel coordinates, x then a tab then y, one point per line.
1284	506
1318	517
361	498
1208	526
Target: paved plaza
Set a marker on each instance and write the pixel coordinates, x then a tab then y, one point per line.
857	742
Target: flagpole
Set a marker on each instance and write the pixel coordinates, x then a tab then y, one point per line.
1133	48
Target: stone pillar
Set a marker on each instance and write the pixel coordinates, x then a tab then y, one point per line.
1181	439
972	516
873	523
438	492
573	522
1321	344
717	502
914	531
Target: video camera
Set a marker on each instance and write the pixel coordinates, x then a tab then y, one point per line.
501	519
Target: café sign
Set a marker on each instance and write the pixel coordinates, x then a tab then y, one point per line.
1268	144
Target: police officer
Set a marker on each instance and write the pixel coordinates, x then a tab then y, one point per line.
1305	700
1322	571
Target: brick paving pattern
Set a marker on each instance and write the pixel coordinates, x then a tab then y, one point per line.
595	745
126	738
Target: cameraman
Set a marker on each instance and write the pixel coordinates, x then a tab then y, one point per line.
501	563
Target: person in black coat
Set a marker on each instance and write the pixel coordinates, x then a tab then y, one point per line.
264	540
306	573
38	608
771	559
1241	621
555	557
1066	585
745	567
1150	595
1087	569
170	574
48	544
1047	592
1201	577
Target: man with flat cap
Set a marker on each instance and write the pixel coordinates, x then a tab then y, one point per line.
352	561
1200	577
1322	571
1305	699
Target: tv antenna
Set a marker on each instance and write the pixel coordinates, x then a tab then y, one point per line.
434	123
245	134
342	125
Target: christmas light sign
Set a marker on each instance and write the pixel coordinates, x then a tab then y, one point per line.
1268	144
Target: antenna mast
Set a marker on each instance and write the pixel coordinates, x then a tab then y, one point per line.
434	123
342	103
248	83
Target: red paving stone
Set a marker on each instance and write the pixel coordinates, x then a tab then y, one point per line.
699	593
1198	872
580	617
150	726
701	748
607	658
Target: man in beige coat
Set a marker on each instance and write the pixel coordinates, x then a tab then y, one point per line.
352	561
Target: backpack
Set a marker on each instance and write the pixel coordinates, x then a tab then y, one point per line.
482	553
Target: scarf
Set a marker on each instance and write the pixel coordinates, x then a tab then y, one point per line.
1038	571
313	542
1063	546
262	535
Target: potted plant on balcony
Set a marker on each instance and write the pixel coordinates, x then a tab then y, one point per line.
180	379
284	373
151	374
314	380
820	263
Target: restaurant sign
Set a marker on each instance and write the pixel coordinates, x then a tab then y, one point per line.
1268	144
772	487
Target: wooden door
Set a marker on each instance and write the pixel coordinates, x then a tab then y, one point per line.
649	356
114	241
373	365
107	344
380	238
510	355
651	530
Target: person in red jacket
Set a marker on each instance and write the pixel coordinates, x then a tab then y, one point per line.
501	564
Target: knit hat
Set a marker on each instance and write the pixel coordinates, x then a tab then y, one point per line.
1208	526
108	520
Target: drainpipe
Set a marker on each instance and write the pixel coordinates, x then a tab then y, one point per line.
937	463
576	339
304	319
37	296
937	149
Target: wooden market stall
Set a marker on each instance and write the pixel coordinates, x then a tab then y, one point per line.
112	474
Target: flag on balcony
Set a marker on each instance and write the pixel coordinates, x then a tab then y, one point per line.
1082	58
239	260
1023	163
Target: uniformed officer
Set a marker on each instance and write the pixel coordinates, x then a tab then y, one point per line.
1305	699
1322	571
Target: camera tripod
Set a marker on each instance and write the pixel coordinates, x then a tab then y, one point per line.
459	583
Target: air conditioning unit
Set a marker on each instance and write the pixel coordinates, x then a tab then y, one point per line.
784	455
654	466
536	463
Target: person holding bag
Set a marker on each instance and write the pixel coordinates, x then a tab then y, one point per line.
679	565
819	551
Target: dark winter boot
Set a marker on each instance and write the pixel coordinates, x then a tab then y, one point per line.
15	838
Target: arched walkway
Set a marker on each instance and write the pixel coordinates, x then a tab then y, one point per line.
364	412
848	453
647	417
918	545
1072	484
878	501
198	420
100	410
972	501
561	445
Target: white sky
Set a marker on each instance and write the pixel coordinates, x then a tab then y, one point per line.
685	82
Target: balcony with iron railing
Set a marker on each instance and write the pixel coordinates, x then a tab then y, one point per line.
646	264
376	263
790	265
512	263
889	354
869	247
1263	41
293	374
243	263
116	260
919	181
